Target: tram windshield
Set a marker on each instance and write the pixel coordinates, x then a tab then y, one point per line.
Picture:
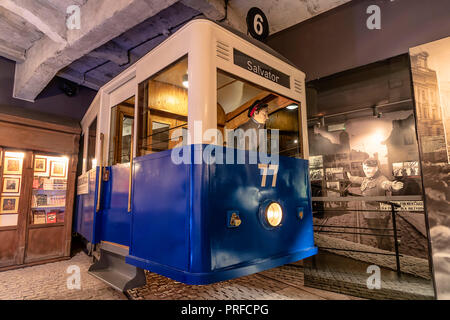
163	108
236	96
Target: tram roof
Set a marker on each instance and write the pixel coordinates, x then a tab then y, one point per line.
252	40
245	37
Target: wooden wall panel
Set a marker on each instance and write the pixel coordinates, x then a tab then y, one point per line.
32	138
167	97
26	243
45	243
71	181
8	241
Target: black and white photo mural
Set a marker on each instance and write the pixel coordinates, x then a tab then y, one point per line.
430	65
370	157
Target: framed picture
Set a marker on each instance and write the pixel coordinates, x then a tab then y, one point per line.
11	185
58	169
9	204
40	165
13	165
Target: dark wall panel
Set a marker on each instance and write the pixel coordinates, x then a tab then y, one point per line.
339	39
52	100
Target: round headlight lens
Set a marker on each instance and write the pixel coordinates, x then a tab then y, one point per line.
274	214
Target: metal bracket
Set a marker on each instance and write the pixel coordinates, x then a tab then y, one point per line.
233	219
105	174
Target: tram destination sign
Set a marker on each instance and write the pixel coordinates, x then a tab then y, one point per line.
261	69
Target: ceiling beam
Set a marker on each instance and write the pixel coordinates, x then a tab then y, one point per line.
62	5
212	9
101	21
78	78
216	10
41	15
11	52
111	51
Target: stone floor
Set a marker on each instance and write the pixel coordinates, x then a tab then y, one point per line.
344	275
345	271
49	281
409	265
282	283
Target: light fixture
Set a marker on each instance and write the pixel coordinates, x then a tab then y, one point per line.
186	81
274	214
376	113
292	106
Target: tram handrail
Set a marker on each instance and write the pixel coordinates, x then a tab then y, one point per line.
172	128
130	178
100	172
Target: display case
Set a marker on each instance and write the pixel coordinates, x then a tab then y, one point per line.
37	175
49	190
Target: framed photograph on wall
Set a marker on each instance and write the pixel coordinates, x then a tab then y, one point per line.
13	165
58	169
40	164
11	185
9	204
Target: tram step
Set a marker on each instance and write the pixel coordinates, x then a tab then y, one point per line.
113	270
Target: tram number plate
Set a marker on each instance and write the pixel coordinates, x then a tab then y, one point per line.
265	169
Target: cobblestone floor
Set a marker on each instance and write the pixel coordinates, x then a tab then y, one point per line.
282	283
49	281
409	265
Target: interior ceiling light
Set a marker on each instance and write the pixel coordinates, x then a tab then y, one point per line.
185	81
292	106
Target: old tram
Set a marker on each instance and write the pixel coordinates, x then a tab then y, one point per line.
197	222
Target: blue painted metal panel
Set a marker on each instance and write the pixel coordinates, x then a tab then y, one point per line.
238	188
114	218
179	218
160	212
85	218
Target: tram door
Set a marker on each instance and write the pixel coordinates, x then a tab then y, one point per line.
116	191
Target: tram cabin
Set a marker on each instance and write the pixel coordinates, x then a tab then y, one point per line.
163	189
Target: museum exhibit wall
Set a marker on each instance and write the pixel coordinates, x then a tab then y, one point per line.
339	39
430	66
52	100
350	133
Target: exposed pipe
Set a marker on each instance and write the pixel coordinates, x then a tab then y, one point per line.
361	109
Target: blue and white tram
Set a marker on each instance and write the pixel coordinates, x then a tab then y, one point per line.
180	211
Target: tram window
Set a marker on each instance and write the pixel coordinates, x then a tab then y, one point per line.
235	96
121	132
163	108
91	161
160	136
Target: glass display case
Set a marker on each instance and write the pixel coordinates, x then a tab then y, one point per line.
49	189
38	161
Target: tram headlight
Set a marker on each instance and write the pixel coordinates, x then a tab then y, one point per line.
274	214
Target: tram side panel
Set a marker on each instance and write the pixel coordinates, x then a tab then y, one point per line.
114	219
180	219
160	215
254	244
85	215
